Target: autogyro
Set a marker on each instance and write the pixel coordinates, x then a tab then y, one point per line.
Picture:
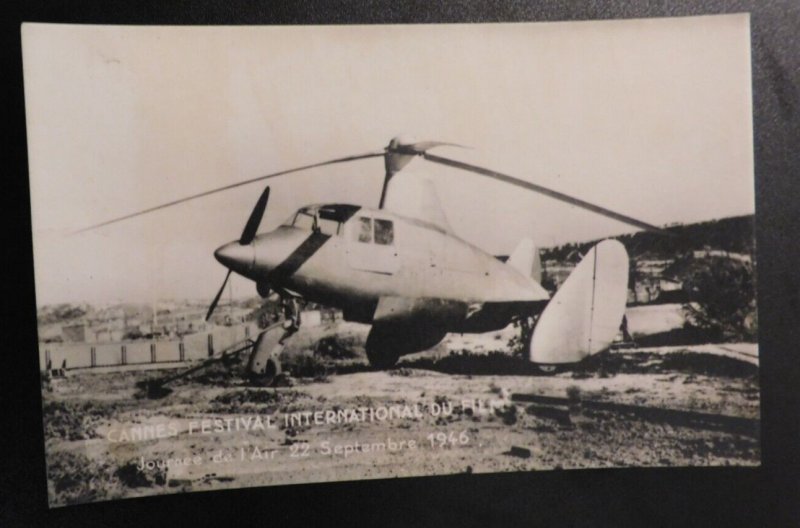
400	268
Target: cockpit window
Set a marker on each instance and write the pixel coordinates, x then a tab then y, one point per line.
364	231
384	232
312	220
328	227
303	220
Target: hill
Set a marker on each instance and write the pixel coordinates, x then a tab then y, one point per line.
734	235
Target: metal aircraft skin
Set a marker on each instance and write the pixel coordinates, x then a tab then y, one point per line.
401	268
401	274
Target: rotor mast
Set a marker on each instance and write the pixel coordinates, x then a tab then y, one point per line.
399	153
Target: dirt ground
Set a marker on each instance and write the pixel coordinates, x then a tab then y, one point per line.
441	412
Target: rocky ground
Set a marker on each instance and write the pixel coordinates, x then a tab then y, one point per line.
444	411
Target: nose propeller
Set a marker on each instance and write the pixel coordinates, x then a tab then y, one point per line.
237	255
217	296
250	228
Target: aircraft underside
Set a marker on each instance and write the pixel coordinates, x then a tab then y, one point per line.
403	326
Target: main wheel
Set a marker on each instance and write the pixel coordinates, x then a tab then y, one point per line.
383	359
264	377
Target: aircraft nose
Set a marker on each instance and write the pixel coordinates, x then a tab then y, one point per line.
236	256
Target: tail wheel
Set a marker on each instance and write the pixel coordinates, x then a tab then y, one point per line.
548	369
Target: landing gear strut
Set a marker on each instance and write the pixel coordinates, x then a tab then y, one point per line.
264	365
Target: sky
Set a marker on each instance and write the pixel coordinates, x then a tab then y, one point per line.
651	118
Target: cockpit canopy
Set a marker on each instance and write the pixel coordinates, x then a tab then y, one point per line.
326	218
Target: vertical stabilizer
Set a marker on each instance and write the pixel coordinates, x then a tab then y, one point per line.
585	314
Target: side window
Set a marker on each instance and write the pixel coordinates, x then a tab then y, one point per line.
384	232
364	230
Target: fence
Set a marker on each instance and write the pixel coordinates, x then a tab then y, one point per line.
189	348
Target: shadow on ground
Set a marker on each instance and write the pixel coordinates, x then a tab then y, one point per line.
561	407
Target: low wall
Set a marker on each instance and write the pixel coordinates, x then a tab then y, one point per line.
191	347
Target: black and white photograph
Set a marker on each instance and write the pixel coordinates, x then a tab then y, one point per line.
283	255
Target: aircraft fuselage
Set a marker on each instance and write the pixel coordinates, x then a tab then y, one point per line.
353	258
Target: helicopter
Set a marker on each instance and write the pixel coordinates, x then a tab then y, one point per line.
401	268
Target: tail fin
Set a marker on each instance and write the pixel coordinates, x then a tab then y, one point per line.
585	314
525	259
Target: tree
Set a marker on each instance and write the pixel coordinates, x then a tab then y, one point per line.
721	295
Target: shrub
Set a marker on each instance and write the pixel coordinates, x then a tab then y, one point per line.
574	394
721	295
519	343
335	347
304	364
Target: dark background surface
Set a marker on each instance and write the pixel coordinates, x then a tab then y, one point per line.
769	495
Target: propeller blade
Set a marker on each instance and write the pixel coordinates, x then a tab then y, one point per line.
367	155
547	192
254	221
216	298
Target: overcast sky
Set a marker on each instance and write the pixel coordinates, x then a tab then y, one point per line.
651	118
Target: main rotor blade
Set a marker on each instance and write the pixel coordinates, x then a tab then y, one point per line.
374	154
216	298
254	221
547	192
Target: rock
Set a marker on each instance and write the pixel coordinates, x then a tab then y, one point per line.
520	452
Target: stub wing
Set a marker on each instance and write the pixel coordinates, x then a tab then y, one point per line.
584	316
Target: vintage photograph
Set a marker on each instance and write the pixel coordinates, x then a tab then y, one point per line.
282	255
